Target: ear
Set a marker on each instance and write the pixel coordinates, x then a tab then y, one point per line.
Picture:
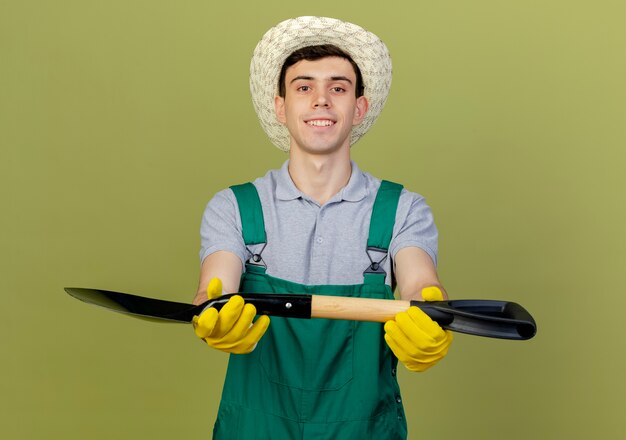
362	105
279	109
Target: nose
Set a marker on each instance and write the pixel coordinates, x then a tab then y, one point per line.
321	99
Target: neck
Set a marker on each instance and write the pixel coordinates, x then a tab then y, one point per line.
320	176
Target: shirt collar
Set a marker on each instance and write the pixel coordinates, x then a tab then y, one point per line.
354	191
285	188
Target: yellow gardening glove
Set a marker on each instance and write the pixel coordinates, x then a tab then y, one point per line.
415	339
231	329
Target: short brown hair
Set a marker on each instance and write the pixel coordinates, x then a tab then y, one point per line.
312	53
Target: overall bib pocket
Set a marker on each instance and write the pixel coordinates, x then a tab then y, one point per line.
311	355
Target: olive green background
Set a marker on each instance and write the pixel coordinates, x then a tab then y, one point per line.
120	119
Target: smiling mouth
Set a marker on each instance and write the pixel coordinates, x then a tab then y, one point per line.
320	123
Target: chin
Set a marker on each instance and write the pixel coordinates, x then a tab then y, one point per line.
320	149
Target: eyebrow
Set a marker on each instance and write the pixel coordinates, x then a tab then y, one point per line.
310	78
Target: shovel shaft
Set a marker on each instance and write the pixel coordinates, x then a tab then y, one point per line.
356	309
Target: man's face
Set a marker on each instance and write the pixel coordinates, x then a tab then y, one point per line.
320	107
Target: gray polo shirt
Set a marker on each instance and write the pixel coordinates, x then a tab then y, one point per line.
312	244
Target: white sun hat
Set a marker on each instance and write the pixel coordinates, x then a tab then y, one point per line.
365	48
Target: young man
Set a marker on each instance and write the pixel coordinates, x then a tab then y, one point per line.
318	225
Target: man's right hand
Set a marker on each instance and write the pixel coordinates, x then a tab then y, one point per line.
231	329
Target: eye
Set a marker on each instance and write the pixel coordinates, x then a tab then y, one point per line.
304	88
338	89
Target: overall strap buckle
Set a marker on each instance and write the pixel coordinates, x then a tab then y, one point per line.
256	259
376	267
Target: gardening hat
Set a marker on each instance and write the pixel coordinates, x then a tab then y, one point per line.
365	48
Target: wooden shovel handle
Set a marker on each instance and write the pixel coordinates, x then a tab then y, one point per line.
356	309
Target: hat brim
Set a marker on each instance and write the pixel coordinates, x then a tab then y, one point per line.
365	48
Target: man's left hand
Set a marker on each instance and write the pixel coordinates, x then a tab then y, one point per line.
415	339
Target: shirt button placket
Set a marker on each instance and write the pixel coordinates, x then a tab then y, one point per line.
320	218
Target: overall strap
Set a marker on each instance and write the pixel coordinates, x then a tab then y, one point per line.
251	213
381	228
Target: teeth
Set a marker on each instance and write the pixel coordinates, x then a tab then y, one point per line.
320	123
